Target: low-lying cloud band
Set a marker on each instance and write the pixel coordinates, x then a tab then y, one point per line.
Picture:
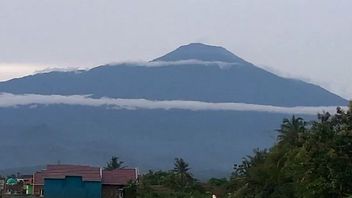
13	100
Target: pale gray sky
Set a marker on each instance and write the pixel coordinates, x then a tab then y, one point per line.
309	39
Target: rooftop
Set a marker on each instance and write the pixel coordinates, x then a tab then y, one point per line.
88	173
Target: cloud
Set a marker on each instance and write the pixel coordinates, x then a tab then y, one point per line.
11	70
221	65
334	85
61	69
12	100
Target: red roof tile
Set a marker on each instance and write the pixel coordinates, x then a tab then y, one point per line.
61	171
88	173
119	176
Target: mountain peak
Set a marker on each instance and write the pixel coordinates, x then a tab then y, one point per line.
203	52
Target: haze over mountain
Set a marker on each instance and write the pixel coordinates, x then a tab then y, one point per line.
150	138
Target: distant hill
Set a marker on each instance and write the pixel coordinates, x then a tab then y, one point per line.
212	141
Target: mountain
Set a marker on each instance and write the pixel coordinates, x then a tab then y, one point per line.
199	51
211	140
192	72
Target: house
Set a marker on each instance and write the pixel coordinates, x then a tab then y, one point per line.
76	181
114	181
12	186
72	187
27	181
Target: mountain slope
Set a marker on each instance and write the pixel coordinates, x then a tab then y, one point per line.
149	139
229	79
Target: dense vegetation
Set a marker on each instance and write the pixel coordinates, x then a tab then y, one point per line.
310	159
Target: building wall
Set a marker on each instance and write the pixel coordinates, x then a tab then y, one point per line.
29	189
37	189
2	184
71	187
14	189
112	191
17	196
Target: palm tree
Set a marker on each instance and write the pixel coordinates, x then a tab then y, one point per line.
181	169
291	130
114	163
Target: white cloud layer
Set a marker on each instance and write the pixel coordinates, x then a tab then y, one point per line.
221	65
12	100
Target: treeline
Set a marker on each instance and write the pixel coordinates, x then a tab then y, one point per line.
310	159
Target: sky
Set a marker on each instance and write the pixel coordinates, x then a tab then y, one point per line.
305	39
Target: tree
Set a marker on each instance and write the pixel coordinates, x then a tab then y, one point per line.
181	170
175	183
314	161
114	163
181	167
291	130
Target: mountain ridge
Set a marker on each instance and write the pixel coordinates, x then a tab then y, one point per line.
241	82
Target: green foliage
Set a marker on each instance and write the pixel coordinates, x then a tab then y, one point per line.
176	183
216	186
309	160
312	160
131	190
181	179
114	163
